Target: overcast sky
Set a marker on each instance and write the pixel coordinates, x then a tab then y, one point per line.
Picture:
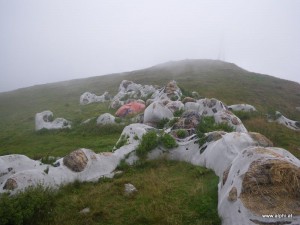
44	41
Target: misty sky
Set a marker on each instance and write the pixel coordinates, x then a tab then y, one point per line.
44	41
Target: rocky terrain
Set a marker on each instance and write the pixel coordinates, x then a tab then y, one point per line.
255	178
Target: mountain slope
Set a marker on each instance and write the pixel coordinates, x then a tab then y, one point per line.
224	81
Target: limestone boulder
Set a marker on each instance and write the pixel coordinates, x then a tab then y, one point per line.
76	161
260	181
170	92
242	107
291	124
230	119
209	107
106	118
88	98
44	120
155	112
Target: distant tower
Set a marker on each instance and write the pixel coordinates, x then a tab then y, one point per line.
221	55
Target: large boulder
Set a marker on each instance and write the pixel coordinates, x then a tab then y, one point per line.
87	98
206	106
242	107
230	119
131	108
45	120
155	112
106	118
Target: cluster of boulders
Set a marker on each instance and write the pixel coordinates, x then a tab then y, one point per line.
255	178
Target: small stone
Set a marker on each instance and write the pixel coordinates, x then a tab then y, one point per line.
130	189
85	211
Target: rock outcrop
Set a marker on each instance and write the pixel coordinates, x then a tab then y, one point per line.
87	98
170	92
155	112
44	120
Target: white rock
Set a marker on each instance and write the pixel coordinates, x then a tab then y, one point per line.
134	133
44	120
242	107
208	107
87	98
129	189
192	106
170	92
294	125
106	118
232	120
85	211
155	112
175	105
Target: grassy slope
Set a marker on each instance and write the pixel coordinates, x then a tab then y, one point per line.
168	193
217	79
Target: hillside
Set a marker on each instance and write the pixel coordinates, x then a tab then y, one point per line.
169	192
224	81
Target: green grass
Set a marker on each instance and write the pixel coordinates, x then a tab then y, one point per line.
168	193
26	208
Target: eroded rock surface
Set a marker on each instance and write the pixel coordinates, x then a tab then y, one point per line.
44	120
106	118
88	98
242	107
294	125
76	161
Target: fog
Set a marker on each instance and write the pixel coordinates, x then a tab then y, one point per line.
43	41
